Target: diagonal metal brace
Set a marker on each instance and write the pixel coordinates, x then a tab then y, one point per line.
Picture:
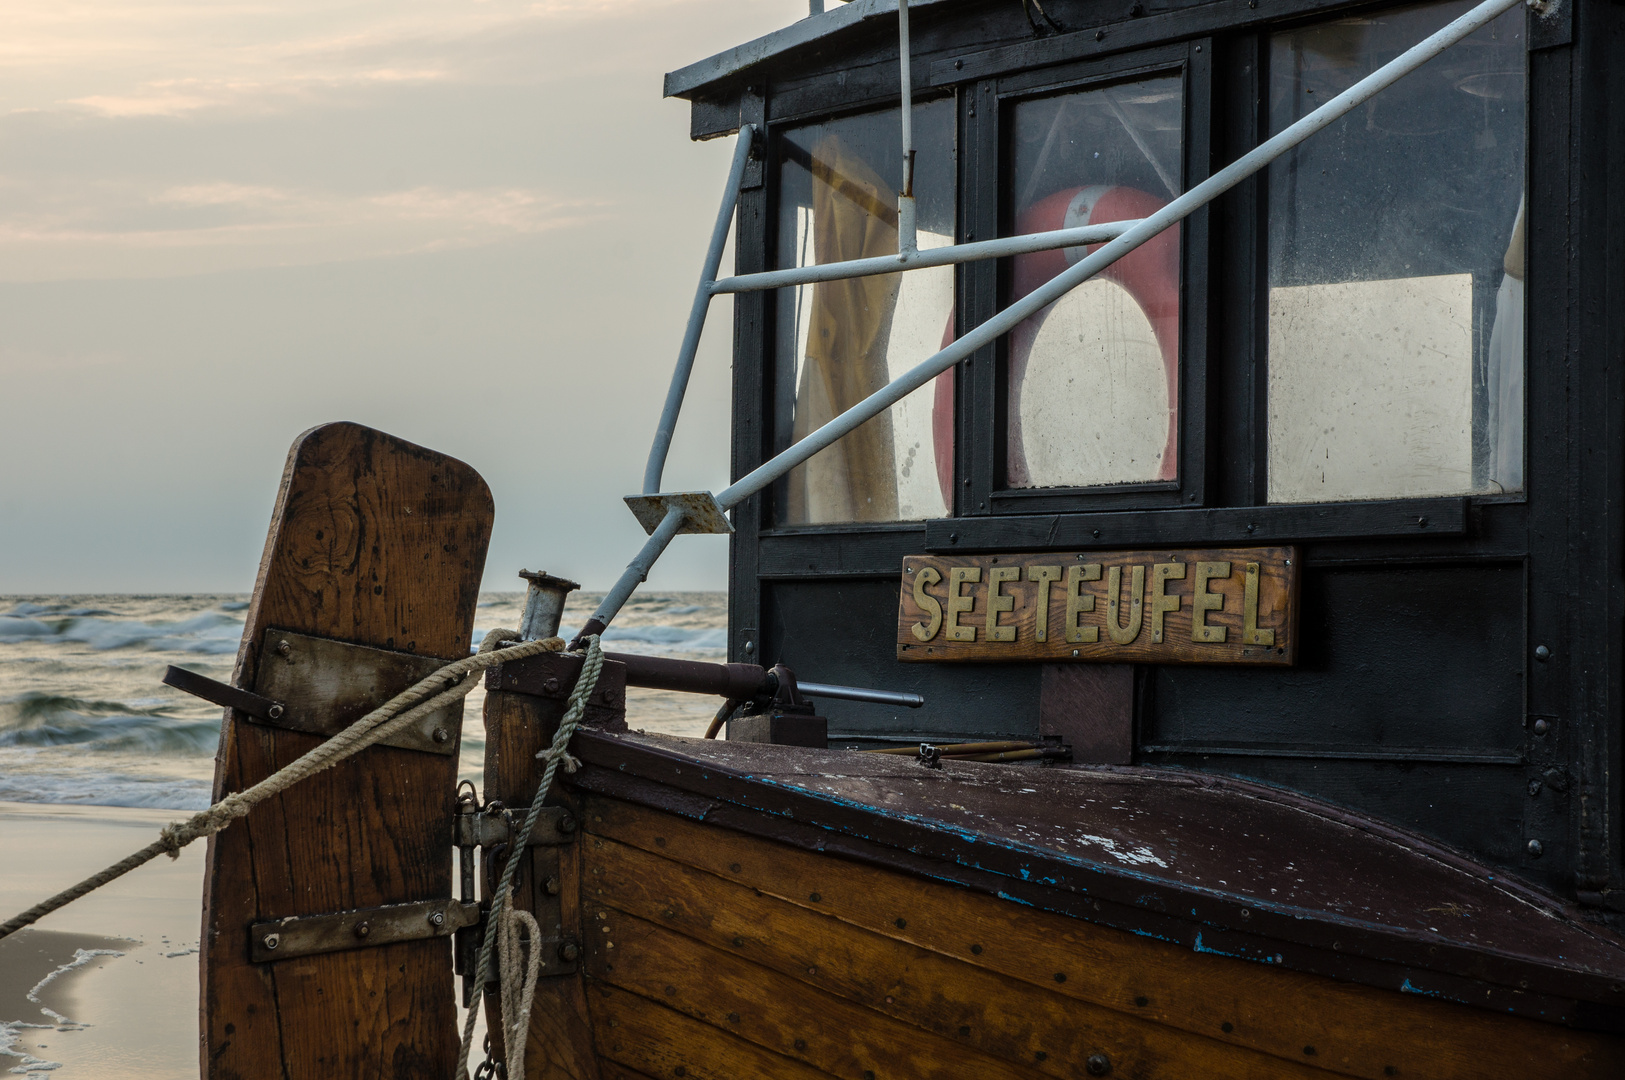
701	511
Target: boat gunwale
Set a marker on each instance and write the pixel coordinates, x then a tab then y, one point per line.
1314	941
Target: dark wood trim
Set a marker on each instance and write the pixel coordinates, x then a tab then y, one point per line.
1215	526
850	552
752	418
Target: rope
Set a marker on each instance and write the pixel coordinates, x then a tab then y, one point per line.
518	979
460	676
554	755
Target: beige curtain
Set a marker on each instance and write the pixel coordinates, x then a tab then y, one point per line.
854	217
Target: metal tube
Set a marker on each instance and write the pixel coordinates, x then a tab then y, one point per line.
1088	267
696	315
906	236
918	260
859	693
636	572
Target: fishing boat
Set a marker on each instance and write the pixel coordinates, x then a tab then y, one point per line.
1175	610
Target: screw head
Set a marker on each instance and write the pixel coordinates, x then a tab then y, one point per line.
271	941
1536	849
441	734
437	918
568	951
362	929
1098	1065
551	686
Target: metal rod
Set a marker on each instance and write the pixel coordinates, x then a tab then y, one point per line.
919	260
907	237
696	315
634	575
1132	238
859	693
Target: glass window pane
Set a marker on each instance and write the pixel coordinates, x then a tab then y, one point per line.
840	341
1094	377
1396	265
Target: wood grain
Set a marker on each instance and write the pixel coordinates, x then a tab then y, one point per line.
991	1014
658	1041
1209	606
1354	1030
379	542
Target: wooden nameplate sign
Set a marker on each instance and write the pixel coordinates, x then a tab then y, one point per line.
1207	606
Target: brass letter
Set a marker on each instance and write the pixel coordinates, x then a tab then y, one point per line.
997	602
1077	603
1161	602
958	602
1203	602
927	577
1250	633
1045	576
1124	635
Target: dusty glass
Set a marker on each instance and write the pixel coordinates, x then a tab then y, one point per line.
838	342
1396	265
1094	377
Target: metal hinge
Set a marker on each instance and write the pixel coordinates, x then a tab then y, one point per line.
310	935
495	825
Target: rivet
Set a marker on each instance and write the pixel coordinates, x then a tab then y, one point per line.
437	918
1421	523
953	538
1100	35
551	686
1095	533
814	897
568	951
567	824
362	929
551	886
977	949
958	64
1227	1027
1541	726
902	923
733	1018
801	1044
1142	1001
271	941
1060	976
441	734
1535	849
1542	653
1077	652
1098	1065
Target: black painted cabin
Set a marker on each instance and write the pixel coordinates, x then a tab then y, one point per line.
1399	348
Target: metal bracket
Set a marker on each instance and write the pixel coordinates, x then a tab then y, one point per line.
701	511
325	686
310	935
488	828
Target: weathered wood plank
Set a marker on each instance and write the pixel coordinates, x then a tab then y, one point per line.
1356	1030
654	1040
379	542
559	1044
1208	606
787	1015
991	1013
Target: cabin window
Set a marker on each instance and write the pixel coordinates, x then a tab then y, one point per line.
840	341
1093	379
1396	265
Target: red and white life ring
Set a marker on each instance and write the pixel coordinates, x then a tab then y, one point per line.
1149	274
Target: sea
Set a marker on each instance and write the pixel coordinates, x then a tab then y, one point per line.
85	717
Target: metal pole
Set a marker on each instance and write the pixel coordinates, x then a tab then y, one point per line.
636	572
919	260
1088	267
696	316
906	234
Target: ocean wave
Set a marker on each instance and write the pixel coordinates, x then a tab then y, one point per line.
43	720
103	788
213	633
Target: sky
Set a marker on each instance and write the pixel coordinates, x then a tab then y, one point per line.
475	225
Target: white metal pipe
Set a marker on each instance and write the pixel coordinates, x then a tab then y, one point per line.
1088	267
919	260
667	426
905	220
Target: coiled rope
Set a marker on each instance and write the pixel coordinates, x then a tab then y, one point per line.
515	989
441	688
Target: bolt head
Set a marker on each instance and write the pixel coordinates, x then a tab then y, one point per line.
437	918
551	686
1098	1065
274	712
567	824
569	952
1536	848
284	648
362	929
551	886
441	734
271	941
